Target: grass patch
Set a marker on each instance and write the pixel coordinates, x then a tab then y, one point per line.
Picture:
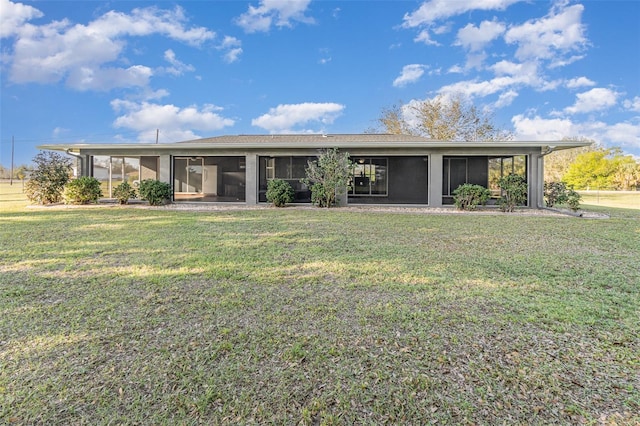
620	199
130	315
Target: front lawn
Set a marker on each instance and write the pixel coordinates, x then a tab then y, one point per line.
115	315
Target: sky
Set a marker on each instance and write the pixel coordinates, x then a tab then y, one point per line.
134	71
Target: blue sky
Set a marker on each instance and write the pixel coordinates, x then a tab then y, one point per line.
93	71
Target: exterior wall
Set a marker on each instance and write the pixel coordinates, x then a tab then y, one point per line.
433	172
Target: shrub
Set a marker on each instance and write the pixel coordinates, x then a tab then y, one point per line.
155	192
468	196
279	192
51	173
83	190
573	200
560	193
514	192
328	176
124	192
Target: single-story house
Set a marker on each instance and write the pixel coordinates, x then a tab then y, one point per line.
389	169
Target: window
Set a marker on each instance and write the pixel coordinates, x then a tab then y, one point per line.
112	171
454	174
369	177
503	166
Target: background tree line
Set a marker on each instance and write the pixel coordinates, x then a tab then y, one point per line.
456	119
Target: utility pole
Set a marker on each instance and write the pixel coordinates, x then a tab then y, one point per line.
11	175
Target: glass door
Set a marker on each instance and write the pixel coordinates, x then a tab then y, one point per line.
188	174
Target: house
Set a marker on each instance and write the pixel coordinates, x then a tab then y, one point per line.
389	169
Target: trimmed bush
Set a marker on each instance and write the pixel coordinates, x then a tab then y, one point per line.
468	196
279	192
514	192
84	190
51	174
124	192
155	192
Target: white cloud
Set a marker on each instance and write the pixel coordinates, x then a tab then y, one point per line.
624	134
80	54
280	13
105	79
409	74
232	48
505	99
475	38
593	100
579	82
177	67
175	123
433	10
14	15
284	118
560	32
632	104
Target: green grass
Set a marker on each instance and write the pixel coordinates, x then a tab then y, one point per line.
121	315
621	199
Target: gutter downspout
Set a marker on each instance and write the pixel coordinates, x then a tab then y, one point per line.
548	151
82	160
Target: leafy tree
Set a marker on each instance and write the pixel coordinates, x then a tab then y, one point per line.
441	118
279	192
84	190
592	169
51	173
328	176
626	175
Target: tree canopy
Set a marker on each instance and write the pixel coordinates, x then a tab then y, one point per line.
603	169
441	118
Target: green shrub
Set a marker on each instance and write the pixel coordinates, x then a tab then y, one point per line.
155	192
560	193
84	190
514	192
279	192
573	199
51	173
124	192
468	196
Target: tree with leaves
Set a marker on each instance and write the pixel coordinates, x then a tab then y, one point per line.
603	169
51	173
328	177
557	163
441	118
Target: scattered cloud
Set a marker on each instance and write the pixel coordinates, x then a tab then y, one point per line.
579	82
281	13
593	100
232	48
625	134
174	123
560	32
14	15
475	38
177	67
85	57
285	118
632	104
432	11
409	74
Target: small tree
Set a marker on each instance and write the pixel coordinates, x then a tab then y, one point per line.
328	177
84	190
468	196
124	192
155	192
514	192
279	192
51	173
